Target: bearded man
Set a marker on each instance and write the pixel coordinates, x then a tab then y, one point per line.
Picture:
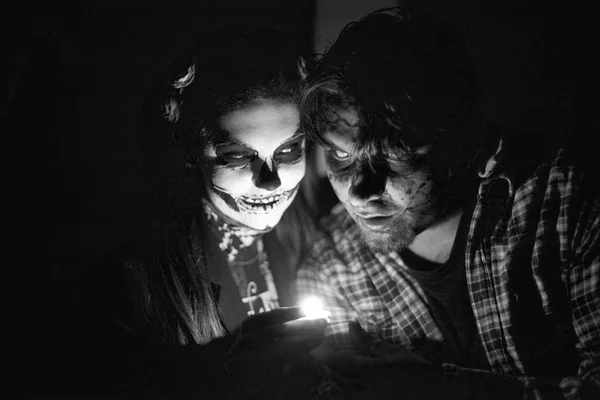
462	257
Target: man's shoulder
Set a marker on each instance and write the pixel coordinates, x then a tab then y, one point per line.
337	221
570	168
530	164
579	158
336	231
342	231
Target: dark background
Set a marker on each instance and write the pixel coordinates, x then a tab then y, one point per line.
75	76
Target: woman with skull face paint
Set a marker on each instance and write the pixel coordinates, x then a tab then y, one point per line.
204	288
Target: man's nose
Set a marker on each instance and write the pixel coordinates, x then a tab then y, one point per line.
368	184
266	177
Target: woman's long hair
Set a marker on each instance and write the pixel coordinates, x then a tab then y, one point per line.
228	69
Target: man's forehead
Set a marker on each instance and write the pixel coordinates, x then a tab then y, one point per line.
343	141
348	115
342	124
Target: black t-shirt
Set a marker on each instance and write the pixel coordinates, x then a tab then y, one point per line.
446	289
246	288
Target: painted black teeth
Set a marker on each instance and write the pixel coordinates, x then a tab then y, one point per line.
254	205
262	200
262	205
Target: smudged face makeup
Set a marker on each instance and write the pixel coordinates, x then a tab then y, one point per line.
256	164
390	194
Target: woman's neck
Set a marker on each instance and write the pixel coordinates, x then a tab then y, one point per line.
231	236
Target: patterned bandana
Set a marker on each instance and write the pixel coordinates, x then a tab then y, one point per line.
243	248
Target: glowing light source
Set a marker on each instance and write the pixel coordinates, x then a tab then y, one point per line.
313	308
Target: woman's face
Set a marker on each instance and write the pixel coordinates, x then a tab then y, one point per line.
256	164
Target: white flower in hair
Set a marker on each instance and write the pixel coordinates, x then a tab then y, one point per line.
187	79
302	69
171	110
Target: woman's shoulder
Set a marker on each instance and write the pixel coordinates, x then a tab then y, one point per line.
114	286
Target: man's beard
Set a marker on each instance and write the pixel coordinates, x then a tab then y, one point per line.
397	238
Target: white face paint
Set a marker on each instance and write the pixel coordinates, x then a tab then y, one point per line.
255	168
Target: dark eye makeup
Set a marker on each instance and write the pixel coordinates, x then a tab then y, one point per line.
290	152
234	155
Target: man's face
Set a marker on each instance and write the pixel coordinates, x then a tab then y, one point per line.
254	170
391	196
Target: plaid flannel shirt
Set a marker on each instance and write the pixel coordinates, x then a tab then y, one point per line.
532	262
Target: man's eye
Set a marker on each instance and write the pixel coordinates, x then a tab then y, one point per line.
339	154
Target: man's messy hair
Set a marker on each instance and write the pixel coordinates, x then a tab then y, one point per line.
408	75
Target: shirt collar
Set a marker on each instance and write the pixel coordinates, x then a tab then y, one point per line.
498	178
